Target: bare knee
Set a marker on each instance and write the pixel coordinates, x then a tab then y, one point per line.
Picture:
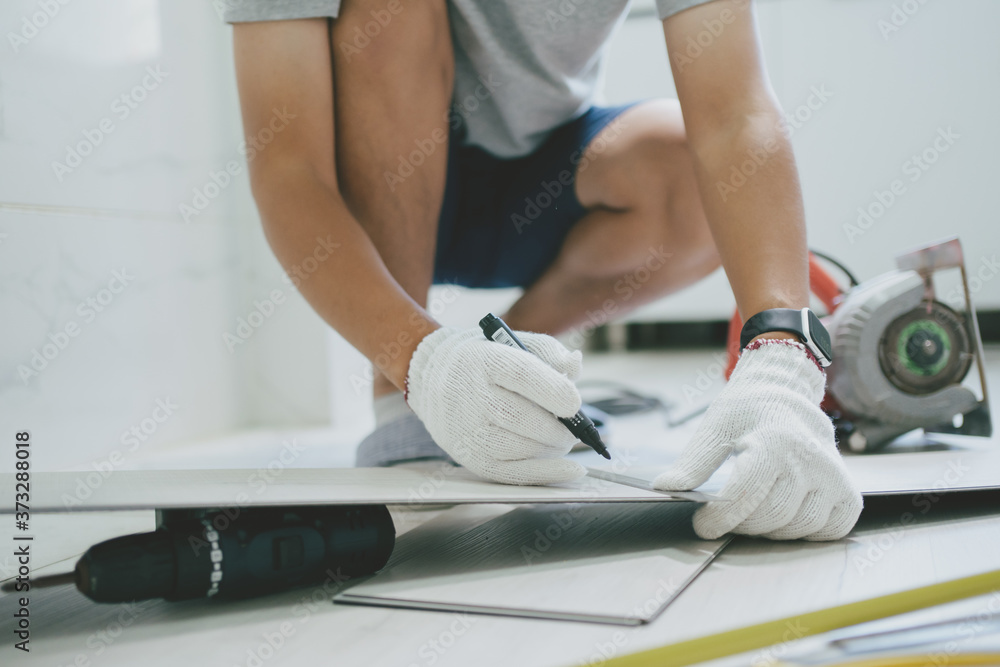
648	176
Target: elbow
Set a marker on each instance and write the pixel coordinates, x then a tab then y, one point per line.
750	109
719	136
277	181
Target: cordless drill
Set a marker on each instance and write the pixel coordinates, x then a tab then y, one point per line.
235	553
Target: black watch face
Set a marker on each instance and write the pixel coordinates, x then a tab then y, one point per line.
820	335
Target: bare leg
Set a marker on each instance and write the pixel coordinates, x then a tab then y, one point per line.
391	94
643	203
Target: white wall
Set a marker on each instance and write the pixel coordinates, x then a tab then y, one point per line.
162	336
890	95
63	235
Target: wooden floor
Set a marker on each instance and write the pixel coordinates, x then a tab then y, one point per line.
753	580
899	543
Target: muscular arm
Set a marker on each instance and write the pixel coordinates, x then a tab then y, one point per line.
286	65
732	117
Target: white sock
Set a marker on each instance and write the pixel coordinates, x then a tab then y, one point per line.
399	436
390	408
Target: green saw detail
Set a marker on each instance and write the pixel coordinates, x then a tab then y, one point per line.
926	329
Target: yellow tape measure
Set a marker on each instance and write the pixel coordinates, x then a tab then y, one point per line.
762	635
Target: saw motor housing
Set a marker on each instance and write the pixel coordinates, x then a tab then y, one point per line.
901	355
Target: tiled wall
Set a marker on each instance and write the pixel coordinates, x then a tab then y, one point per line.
113	303
92	183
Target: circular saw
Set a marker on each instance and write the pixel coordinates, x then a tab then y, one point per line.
902	356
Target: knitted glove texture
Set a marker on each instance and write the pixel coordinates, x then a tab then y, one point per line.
493	408
788	480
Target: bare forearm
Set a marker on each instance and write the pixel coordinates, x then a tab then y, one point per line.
750	189
743	160
350	288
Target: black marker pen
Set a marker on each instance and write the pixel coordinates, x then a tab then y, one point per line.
579	424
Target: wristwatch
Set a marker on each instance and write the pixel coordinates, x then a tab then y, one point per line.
803	323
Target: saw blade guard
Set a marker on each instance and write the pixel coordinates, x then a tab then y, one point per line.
902	353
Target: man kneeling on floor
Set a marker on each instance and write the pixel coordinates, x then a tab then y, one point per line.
459	142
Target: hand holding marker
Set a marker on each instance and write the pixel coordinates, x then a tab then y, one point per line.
579	424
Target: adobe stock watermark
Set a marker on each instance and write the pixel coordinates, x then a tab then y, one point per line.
246	326
615	645
270	644
320	596
220	6
121	108
797	118
914	168
88	310
566	9
131	439
707	377
436	306
758	156
407	165
978	276
561	522
970	628
626	288
549	191
265	307
695	45
100	641
258	480
771	656
32	24
249	148
544	538
424	493
362	36
296	274
899	16
875	549
261	478
560	15
434	648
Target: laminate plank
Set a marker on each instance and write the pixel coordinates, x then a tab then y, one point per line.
168	489
595	563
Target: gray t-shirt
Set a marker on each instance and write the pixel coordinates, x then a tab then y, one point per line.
522	67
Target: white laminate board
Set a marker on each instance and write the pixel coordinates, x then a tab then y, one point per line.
170	489
618	564
902	473
950	469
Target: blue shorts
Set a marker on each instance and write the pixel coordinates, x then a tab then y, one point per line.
503	221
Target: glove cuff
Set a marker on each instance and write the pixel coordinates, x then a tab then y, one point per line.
760	342
419	361
785	362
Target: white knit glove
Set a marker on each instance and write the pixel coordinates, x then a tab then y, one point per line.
788	480
493	408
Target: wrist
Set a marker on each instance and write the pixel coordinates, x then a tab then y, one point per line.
779	338
418	357
395	355
774	335
796	324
